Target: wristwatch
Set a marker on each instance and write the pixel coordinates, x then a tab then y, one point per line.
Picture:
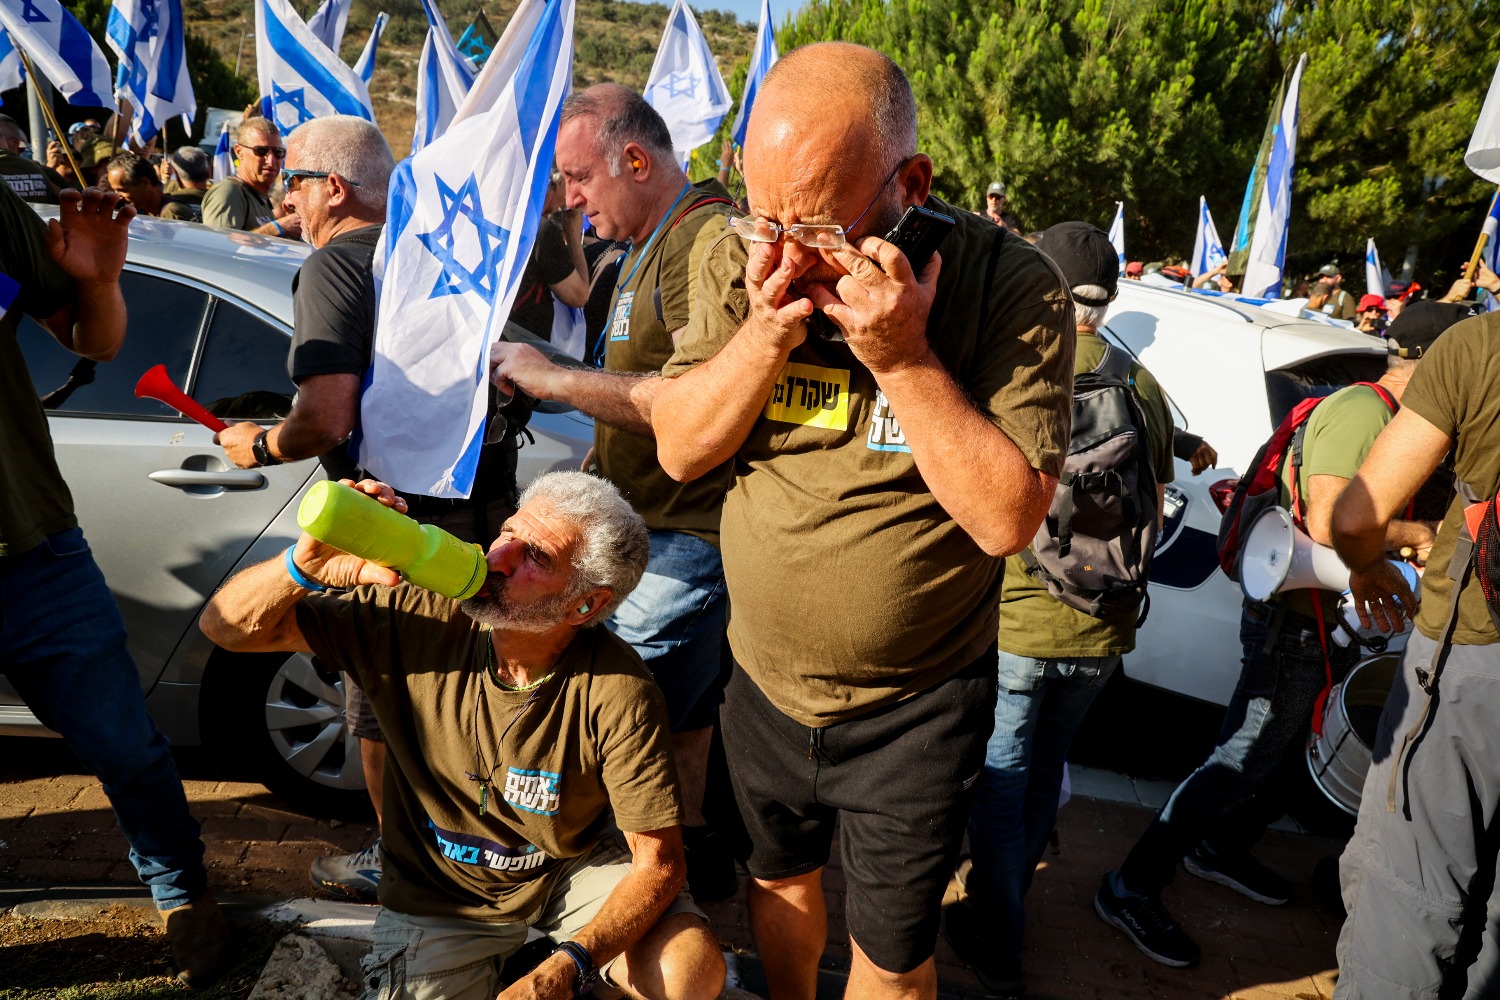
588	973
262	451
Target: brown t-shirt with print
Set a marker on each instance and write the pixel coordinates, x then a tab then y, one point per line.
850	587
654	297
556	760
1456	388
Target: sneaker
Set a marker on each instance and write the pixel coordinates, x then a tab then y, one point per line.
1146	922
964	927
354	877
1243	874
710	866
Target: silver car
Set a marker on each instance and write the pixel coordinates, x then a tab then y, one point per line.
170	519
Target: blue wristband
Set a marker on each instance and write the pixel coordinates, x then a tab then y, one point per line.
297	576
279	230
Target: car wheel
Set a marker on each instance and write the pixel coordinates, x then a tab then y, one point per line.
282	717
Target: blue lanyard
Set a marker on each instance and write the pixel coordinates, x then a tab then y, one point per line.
654	234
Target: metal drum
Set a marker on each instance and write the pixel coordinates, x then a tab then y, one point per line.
1339	758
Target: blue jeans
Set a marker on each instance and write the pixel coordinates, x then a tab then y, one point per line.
675	620
1041	704
62	646
1244	785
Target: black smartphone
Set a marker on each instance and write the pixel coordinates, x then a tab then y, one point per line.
918	234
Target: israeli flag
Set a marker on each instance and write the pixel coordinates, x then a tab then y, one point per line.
364	66
1377	278
762	58
462	218
1117	233
299	76
1267	258
152	75
1483	155
685	86
1208	249
12	74
1491	252
444	79
329	21
223	155
60	49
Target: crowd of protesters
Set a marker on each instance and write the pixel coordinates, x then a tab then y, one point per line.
833	521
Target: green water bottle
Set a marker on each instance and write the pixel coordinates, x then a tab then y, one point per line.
424	554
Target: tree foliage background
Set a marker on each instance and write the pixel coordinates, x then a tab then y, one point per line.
1077	104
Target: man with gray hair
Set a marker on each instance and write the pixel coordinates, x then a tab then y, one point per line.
244	200
524	743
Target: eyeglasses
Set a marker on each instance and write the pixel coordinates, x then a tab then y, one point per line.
261	152
291	179
826	236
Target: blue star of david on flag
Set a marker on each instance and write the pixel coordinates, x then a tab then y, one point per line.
295	99
32	14
682	85
457	279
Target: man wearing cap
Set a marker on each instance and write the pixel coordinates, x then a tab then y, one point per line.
1329	297
1220	811
997	210
1398	295
1370	317
1053	661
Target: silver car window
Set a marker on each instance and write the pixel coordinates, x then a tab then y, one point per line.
242	375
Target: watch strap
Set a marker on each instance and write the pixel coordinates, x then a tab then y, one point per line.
588	973
261	449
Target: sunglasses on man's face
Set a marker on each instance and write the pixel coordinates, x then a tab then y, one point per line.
261	152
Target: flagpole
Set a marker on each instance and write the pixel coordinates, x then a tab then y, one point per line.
1473	265
51	118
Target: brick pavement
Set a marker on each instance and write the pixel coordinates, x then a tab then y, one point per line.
55	827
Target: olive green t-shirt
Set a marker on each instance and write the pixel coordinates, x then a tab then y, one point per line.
233	204
1335	441
850	587
638	338
1456	388
34	500
27	179
1032	621
558	760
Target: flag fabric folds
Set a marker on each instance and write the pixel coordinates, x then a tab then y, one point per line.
223	156
762	58
1117	233
11	72
329	21
1208	249
364	66
1377	278
478	40
685	86
60	49
299	76
1266	247
462	218
149	38
443	80
1483	155
1491	254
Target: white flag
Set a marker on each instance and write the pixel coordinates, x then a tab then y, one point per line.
444	78
1117	233
11	73
149	38
462	219
1208	249
364	66
60	49
1483	156
1377	278
329	21
1268	246
762	58
299	74
685	87
223	155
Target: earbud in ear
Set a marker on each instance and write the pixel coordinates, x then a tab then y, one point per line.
583	609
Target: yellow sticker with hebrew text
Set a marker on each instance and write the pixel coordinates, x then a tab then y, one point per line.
811	396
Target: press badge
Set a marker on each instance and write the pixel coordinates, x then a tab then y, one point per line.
619	321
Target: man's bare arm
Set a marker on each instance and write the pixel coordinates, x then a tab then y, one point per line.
620	399
1323	493
323	416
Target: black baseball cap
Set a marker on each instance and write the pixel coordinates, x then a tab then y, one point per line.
1085	256
1419	325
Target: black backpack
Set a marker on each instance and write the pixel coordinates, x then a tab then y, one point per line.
1094	549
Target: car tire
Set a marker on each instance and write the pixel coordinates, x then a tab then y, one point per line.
281	717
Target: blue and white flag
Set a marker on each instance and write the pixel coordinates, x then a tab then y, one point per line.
1491	252
1208	249
1267	249
300	76
685	87
444	79
1483	154
364	66
762	58
148	37
462	218
1117	233
223	155
329	21
11	72
1377	278
60	49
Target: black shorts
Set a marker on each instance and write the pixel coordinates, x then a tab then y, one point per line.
898	782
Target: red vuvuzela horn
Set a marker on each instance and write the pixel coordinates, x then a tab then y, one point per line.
157	384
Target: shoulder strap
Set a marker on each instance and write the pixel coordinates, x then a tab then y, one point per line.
715	200
1114	365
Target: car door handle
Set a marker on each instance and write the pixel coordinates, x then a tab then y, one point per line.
229	479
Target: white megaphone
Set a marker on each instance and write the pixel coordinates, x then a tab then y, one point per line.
1279	556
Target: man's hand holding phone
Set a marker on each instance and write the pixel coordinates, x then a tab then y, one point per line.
880	304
